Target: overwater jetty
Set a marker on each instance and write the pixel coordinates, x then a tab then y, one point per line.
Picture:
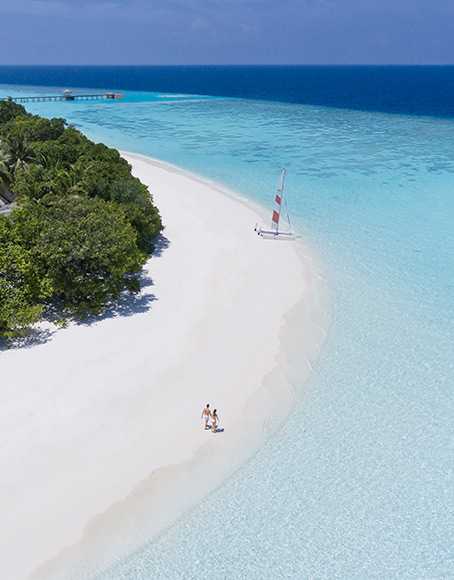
66	96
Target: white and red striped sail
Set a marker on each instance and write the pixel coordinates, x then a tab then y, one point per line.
280	204
276	216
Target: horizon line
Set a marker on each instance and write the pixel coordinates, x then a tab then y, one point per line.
344	65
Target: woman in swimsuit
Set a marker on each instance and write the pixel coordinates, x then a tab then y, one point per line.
214	421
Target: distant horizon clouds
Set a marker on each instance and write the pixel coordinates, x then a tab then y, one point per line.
226	32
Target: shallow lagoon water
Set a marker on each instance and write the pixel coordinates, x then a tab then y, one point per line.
359	483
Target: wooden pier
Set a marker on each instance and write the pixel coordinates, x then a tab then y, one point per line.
66	96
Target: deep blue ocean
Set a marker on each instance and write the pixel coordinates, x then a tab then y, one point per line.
414	90
359	483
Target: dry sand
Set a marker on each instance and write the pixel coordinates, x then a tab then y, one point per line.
102	444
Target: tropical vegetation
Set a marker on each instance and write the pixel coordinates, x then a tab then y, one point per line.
81	227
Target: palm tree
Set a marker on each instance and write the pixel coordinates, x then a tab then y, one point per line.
46	162
21	154
68	182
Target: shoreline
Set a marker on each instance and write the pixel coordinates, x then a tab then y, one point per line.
139	456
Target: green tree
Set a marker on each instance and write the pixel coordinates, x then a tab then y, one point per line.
10	110
83	225
86	247
5	172
20	153
32	182
137	203
22	290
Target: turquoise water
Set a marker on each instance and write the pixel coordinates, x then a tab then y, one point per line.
360	481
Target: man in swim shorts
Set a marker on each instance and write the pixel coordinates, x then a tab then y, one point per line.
206	415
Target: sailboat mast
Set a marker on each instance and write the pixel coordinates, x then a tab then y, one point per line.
283	176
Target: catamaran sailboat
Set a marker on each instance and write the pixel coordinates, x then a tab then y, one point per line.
280	204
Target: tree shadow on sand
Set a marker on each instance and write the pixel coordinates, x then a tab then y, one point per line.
128	304
33	337
160	245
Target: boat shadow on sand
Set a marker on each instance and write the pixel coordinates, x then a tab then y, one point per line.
128	304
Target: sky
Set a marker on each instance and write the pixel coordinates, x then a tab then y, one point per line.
226	31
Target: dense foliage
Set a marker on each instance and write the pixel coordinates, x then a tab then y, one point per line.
82	227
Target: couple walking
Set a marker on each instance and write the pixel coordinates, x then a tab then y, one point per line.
210	416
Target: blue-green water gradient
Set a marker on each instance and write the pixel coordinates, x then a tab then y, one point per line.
360	481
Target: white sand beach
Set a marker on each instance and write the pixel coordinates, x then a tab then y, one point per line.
102	444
